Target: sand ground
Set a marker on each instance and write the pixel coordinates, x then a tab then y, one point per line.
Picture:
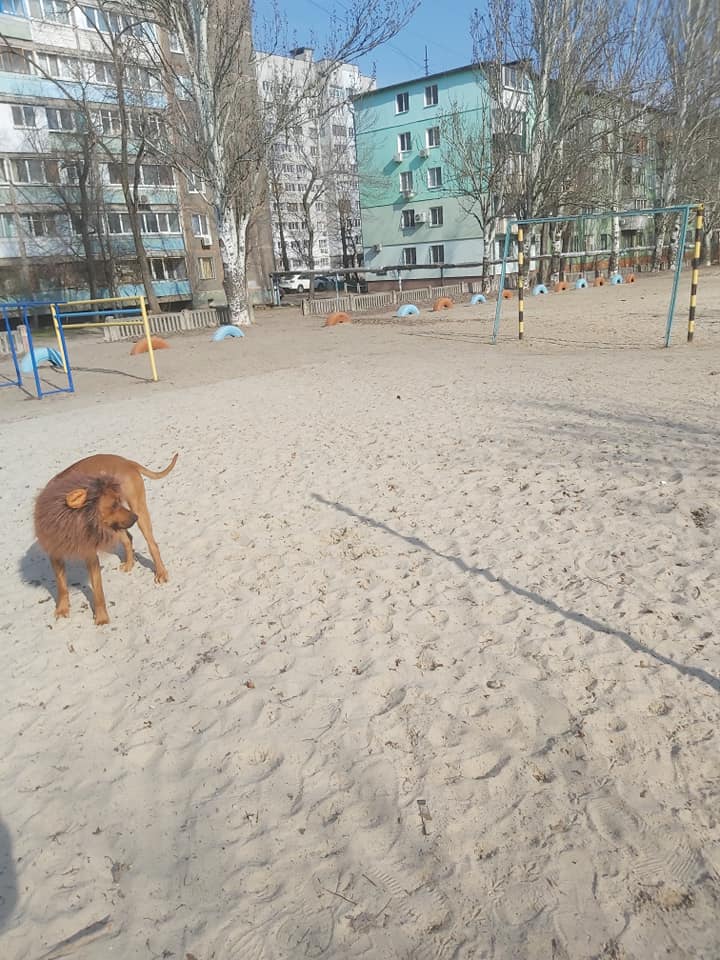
413	576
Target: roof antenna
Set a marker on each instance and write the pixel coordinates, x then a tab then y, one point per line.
427	69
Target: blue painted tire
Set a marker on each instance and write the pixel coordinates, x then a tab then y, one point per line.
581	283
478	298
43	355
407	310
222	333
539	289
616	278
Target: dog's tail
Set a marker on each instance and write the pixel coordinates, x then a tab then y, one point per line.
152	474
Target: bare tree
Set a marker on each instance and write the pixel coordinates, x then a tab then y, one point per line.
227	135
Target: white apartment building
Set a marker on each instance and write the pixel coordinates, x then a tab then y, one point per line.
312	176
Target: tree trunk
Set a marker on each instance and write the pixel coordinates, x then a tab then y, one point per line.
614	264
676	244
486	276
232	233
141	253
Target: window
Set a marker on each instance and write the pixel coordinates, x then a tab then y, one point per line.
151	174
407	219
432	137
8	228
41	224
200	225
71	172
3	171
141	77
170	268
50	65
404	142
118	223
23	117
437	253
103	72
516	78
14	7
436	216
339	131
336	93
431	95
402	103
409	256
206	268
93	19
35	170
59	119
406	181
194	183
109	122
163	222
434	177
13	61
56	11
176	47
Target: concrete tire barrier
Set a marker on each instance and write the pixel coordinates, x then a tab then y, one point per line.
443	303
507	294
539	289
561	286
336	318
141	346
581	283
222	333
407	310
478	298
616	279
630	278
599	282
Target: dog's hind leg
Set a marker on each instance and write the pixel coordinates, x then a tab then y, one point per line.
161	574
62	604
126	541
101	614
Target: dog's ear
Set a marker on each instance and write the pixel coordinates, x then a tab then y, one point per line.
76	498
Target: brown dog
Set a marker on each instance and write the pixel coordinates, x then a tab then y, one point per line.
90	507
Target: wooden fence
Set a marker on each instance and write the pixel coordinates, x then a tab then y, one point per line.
363	302
161	323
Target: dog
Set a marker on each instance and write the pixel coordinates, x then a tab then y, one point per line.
89	508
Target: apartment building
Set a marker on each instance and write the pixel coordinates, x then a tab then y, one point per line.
312	176
65	226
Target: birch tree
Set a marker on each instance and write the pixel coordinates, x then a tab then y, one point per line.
221	125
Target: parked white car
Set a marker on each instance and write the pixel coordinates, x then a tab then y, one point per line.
295	283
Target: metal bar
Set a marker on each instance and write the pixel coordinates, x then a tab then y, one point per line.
521	283
101	323
13	353
98	313
607	214
66	357
501	287
676	278
79	303
31	348
148	337
53	314
695	270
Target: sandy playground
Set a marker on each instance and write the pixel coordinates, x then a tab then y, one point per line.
437	672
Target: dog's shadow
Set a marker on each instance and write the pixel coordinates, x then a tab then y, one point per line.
36	569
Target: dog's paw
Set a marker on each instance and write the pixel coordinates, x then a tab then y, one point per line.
101	618
62	611
161	576
126	566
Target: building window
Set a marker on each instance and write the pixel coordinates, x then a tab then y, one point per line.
7	226
431	95
23	117
406	181
151	174
336	93
436	216
434	177
50	65
14	7
402	103
339	131
60	119
437	253
404	142
103	72
109	121
200	226
516	78
171	268
118	223
13	61
56	11
432	137
93	19
41	224
407	219
206	268
409	256
159	223
35	170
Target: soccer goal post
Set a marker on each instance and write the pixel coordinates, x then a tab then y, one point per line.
519	228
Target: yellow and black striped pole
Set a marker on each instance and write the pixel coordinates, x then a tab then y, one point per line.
699	210
521	283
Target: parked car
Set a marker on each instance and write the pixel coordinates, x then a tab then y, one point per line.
356	285
325	283
295	283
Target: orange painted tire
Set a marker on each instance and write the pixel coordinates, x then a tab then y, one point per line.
443	303
630	278
507	294
335	318
599	282
141	346
561	286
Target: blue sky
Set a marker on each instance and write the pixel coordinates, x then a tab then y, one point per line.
444	25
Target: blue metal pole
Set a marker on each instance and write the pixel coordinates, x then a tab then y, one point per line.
676	280
501	287
31	347
13	352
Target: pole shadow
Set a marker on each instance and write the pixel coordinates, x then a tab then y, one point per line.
585	621
8	877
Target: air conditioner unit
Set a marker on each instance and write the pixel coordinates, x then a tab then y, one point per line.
397	158
377	248
205	243
424	151
408	194
420	218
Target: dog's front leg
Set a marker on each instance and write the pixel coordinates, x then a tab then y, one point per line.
101	614
126	541
62	604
